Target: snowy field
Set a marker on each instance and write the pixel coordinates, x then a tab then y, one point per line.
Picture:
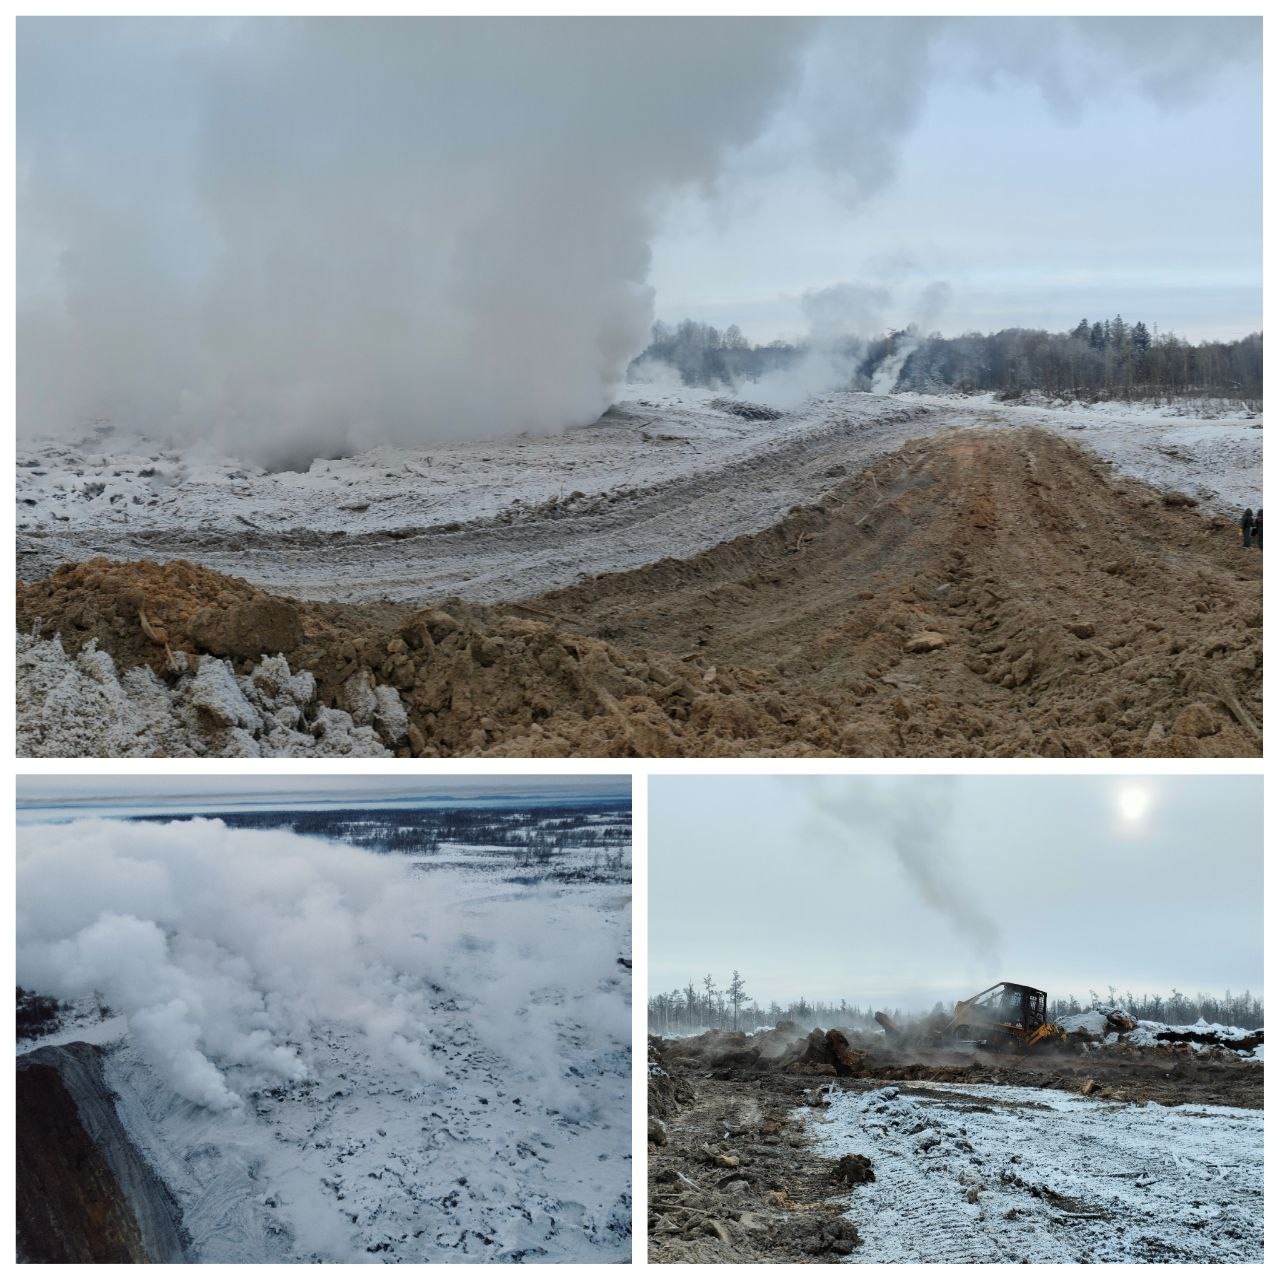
342	1056
669	471
990	1173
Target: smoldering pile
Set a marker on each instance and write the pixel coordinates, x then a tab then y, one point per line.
783	1048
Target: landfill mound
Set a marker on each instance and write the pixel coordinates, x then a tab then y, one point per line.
987	594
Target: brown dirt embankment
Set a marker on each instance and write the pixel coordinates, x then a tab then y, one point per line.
974	594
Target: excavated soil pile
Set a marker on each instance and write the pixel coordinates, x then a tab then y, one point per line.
472	681
784	1048
976	594
732	1177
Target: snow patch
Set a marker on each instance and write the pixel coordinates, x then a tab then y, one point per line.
81	707
967	1173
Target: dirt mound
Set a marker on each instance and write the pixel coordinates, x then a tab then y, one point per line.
784	1048
138	609
977	594
472	681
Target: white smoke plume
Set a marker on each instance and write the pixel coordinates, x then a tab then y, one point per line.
226	949
916	826
368	230
842	319
293	238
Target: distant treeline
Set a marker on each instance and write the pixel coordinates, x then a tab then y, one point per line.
703	1006
1097	360
531	834
1243	1010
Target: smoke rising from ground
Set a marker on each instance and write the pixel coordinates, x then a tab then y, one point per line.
403	230
842	320
916	825
293	238
225	949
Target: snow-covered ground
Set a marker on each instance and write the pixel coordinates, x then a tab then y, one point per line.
667	472
483	1115
129	483
991	1173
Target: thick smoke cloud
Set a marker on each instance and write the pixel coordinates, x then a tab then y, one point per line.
399	230
227	949
915	824
291	238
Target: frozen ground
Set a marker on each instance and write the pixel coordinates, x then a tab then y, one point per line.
667	473
517	1149
984	1173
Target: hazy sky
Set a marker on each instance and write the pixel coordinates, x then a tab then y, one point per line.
134	789
904	891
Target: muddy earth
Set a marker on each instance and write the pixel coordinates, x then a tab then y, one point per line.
977	593
741	1170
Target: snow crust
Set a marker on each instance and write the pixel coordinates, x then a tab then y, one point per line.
513	1146
126	482
979	1173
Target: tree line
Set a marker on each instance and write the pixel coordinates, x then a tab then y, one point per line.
532	836
1096	360
704	1006
1242	1010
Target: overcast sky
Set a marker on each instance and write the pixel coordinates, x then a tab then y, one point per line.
1046	169
1036	213
136	790
904	891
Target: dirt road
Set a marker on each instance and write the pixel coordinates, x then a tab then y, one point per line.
975	593
480	523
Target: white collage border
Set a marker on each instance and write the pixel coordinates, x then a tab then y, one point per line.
640	770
